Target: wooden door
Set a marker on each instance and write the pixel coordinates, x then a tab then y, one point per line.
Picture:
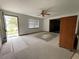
67	32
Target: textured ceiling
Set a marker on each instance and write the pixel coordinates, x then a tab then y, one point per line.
34	7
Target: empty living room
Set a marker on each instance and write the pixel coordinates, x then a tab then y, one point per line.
39	29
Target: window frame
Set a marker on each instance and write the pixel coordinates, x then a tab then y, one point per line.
34	22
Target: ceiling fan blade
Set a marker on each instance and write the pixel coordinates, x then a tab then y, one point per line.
43	15
44	12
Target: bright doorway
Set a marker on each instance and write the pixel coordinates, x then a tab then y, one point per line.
11	26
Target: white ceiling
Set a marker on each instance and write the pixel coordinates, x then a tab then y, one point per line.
34	7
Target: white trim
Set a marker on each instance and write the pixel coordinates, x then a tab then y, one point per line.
77	25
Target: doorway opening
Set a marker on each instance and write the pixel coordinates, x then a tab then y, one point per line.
54	25
11	26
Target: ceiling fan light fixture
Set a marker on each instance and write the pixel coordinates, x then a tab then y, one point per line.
44	13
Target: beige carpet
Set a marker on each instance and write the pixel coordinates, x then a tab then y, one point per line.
31	47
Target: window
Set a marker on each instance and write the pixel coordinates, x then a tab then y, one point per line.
33	23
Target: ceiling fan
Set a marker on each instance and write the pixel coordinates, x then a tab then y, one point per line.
44	13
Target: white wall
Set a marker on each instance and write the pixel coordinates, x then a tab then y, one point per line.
23	23
46	25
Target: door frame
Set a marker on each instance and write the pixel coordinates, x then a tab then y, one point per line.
3	28
17	22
